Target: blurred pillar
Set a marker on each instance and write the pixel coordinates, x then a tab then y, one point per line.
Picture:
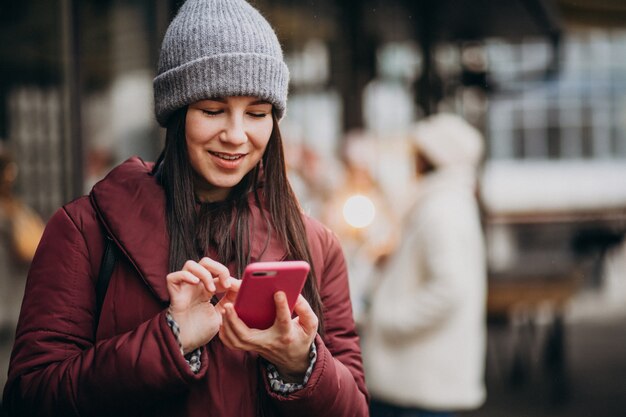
354	61
72	148
428	88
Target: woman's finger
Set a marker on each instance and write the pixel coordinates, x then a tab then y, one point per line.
233	287
239	332
228	334
201	272
229	297
306	317
218	270
283	315
179	277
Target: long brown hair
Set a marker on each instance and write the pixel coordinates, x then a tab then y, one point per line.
192	231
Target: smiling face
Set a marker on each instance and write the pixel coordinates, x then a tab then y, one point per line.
226	138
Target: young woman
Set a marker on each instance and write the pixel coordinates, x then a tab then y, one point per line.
167	341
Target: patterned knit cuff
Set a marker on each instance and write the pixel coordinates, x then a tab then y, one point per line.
192	358
285	388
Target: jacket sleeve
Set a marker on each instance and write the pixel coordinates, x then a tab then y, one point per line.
337	384
56	369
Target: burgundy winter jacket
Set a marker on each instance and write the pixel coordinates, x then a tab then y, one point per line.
131	364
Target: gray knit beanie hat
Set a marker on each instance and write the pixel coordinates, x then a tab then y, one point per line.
219	48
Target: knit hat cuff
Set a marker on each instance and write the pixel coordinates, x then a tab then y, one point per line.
224	75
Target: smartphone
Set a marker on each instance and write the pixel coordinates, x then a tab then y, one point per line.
261	280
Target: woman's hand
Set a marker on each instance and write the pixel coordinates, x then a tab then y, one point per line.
191	290
286	344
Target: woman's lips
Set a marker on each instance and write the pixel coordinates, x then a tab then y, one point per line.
227	160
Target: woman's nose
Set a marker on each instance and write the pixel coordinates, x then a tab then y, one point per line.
234	131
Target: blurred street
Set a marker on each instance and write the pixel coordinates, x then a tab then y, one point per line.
594	386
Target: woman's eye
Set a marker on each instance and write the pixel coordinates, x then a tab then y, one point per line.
212	112
257	114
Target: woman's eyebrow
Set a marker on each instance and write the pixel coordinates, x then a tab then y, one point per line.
259	102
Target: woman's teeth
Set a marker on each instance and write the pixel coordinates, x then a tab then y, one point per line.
226	156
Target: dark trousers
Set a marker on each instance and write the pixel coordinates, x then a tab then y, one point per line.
383	409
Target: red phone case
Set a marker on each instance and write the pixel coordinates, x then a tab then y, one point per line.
261	280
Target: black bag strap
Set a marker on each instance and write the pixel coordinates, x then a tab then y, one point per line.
109	257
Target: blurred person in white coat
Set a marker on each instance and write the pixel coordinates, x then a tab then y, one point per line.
424	345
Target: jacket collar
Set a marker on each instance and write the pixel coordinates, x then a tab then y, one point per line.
131	205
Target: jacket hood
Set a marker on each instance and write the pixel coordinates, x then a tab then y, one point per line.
130	203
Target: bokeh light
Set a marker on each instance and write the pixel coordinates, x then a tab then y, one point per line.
359	211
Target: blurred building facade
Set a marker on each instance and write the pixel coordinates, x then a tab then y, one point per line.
543	79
